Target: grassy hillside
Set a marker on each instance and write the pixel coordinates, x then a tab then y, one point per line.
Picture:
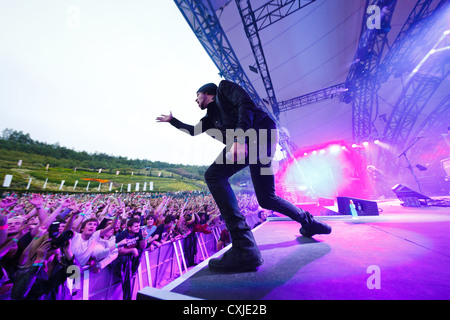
165	178
21	175
35	156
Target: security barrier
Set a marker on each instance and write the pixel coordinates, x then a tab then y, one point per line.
157	268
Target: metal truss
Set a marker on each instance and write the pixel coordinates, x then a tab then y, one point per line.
365	75
395	61
201	17
206	26
434	126
258	19
415	96
438	119
419	89
276	10
421	84
313	97
251	30
411	103
362	81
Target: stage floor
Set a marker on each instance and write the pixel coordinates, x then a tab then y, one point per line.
406	251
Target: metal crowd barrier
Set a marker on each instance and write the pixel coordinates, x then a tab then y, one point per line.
157	268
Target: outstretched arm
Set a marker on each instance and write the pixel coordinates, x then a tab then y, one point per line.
191	130
165	117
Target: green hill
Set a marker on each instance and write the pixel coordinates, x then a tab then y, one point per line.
74	167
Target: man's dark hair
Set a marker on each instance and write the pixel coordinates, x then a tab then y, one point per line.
85	222
133	221
209	88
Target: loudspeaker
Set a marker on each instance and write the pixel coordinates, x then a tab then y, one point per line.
363	207
409	197
405	192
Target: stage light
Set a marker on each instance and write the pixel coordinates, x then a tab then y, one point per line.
305	154
365	144
421	167
325	171
253	69
433	50
376	141
335	148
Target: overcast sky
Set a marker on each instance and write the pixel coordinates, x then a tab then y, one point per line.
94	75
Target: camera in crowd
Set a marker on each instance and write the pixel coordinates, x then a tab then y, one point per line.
58	240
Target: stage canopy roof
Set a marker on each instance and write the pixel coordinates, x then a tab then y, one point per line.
307	46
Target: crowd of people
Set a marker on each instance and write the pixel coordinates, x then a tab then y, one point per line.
42	236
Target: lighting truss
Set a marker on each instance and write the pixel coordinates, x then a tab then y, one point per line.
362	80
206	26
313	97
419	86
258	19
251	31
394	61
275	10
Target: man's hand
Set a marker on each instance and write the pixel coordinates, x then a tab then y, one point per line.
74	207
7	202
164	117
42	250
238	151
65	203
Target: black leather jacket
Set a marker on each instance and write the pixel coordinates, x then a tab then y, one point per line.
232	109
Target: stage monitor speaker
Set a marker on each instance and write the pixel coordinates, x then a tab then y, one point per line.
410	198
363	207
405	192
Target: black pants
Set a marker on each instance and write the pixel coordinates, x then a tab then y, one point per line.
261	152
190	247
124	269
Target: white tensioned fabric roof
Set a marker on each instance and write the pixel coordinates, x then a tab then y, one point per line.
312	49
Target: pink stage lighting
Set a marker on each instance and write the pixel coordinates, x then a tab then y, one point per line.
333	173
335	148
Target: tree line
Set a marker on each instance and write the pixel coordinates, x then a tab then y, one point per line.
12	140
